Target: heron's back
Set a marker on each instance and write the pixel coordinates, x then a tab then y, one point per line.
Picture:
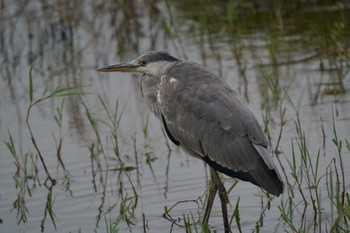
202	114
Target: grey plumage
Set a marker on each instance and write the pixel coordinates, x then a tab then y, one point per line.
203	115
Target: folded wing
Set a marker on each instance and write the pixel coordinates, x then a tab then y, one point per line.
203	115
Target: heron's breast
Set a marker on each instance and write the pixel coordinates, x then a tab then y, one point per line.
167	90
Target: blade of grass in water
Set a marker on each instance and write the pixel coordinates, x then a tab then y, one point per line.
31	85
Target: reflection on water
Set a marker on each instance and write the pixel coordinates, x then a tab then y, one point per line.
110	164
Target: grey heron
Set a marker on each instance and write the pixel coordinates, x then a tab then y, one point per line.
203	115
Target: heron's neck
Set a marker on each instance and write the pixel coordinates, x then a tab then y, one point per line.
149	87
158	69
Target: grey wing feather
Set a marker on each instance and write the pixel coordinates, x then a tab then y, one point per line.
205	109
204	116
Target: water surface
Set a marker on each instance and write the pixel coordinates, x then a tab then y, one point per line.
291	58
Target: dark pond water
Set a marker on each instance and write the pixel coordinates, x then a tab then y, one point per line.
113	166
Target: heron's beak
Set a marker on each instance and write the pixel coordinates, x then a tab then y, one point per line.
129	66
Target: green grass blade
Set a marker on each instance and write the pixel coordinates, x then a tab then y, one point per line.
10	144
31	85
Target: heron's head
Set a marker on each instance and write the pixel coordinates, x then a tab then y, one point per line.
152	63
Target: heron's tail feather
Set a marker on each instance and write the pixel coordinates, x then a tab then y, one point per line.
264	174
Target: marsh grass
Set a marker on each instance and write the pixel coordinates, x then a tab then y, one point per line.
25	178
311	214
185	220
235	216
333	54
302	207
114	118
112	225
59	138
58	92
123	165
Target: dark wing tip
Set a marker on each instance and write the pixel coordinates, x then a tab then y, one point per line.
261	176
277	186
280	191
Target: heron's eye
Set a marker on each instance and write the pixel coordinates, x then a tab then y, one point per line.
143	63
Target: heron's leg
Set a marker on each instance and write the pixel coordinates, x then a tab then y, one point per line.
223	198
213	188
